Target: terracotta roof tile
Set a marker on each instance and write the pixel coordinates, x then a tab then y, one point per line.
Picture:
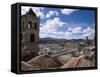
44	61
25	66
76	62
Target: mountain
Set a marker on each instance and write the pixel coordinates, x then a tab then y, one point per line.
49	40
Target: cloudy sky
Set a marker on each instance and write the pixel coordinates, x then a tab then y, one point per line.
64	23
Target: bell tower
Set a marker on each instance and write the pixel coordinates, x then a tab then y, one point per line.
29	35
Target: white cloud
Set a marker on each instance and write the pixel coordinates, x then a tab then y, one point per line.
76	29
56	13
69	29
68	35
50	27
53	24
50	30
49	14
52	13
80	33
37	10
24	10
67	11
88	32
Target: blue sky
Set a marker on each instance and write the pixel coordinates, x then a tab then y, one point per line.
64	23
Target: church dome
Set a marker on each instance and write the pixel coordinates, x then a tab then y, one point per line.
45	62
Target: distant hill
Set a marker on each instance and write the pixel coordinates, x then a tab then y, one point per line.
49	40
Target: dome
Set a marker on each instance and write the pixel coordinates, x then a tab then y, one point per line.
45	62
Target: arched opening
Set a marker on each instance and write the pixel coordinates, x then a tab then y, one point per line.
32	37
35	25
29	24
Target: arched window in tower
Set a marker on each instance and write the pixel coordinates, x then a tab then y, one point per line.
32	37
29	24
35	25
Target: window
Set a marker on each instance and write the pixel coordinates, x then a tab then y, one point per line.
32	38
29	24
35	25
32	26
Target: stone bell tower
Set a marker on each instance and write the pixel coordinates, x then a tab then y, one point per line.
29	35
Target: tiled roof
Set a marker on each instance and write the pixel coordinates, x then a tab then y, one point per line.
76	62
25	66
45	62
